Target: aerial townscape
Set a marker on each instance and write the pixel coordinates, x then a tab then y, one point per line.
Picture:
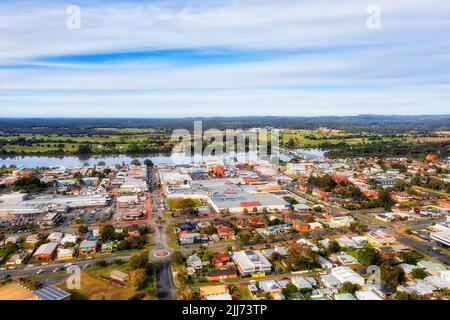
206	159
320	224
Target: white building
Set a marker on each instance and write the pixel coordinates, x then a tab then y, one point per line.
251	261
345	274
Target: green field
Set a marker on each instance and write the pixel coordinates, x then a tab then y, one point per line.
313	138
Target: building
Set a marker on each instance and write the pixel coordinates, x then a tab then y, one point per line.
51	293
46	251
189	238
221	274
442	237
118	275
345	274
65	254
380	238
88	247
251	262
367	295
217	292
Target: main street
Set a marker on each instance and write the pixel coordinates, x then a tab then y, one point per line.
164	276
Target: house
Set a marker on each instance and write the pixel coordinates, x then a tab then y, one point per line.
225	232
342	221
46	251
433	268
194	261
87	247
301	283
329	281
325	263
380	238
346	259
220	260
217	292
32	238
108	247
271	287
12	239
401	196
55	237
69	238
64	254
221	274
189	238
133	231
118	275
17	258
367	295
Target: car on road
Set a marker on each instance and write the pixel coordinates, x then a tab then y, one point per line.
12	268
30	265
67	265
40	271
58	269
2	269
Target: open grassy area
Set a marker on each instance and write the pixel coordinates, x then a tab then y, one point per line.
95	288
244	293
313	138
180	203
108	140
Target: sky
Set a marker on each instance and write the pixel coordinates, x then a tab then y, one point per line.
173	58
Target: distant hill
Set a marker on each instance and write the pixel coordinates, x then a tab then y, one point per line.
372	123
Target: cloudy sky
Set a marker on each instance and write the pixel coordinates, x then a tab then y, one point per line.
224	58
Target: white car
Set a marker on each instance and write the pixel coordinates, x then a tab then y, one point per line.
2	269
67	265
12	268
40	271
30	265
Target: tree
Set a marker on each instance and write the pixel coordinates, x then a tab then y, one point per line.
122	245
300	256
369	256
139	261
349	287
135	162
418	273
177	257
83	229
333	247
84	149
107	233
138	278
392	275
148	163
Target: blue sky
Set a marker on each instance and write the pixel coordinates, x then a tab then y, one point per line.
224	58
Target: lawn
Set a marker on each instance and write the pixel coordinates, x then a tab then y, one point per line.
244	293
180	203
95	288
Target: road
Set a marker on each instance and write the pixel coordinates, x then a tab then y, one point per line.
164	276
164	281
28	271
421	246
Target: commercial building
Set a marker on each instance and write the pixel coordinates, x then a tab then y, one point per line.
442	237
46	251
251	262
345	274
